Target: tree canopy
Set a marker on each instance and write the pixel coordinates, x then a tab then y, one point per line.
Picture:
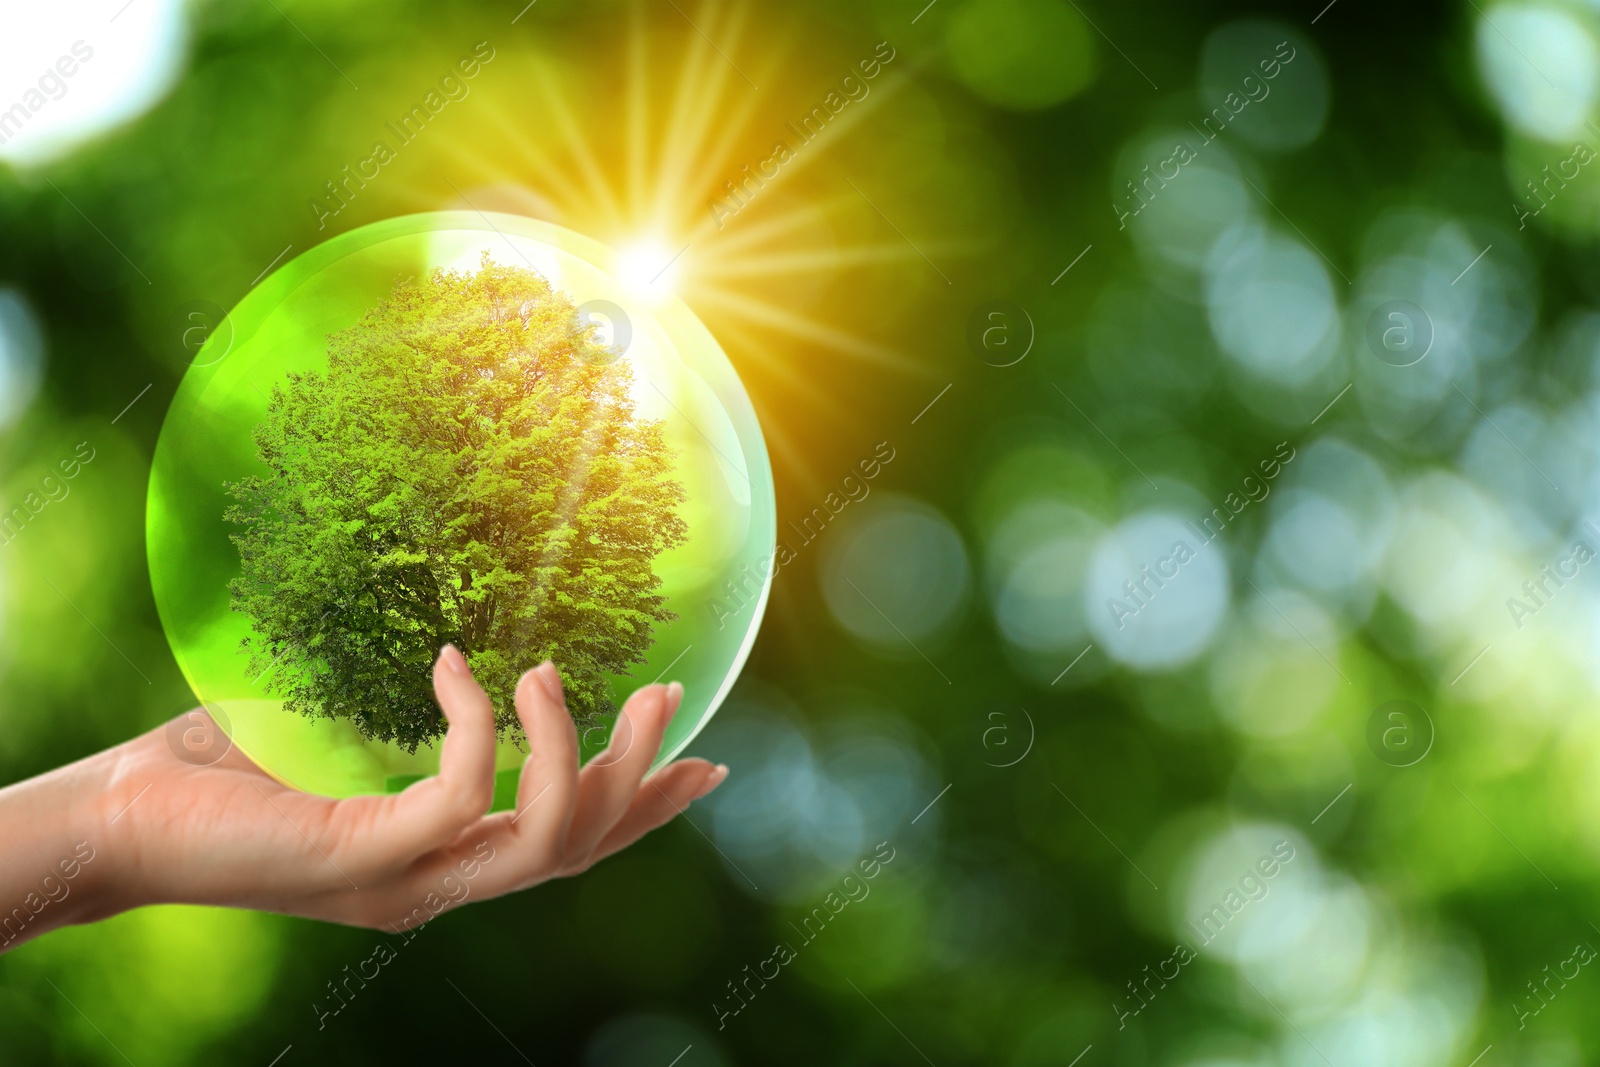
469	469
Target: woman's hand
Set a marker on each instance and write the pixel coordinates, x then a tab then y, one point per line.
163	831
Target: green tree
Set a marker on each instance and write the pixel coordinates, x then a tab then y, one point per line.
469	469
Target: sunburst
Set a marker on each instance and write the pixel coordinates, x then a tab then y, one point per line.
632	155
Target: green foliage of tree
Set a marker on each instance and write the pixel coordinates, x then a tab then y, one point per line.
469	469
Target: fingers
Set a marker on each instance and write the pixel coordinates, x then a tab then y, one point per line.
565	819
465	780
509	850
433	811
660	798
548	788
606	787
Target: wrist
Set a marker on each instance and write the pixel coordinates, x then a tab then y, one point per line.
55	874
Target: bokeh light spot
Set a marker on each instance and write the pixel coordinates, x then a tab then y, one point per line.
1278	84
71	71
1272	305
21	355
1541	65
1155	593
897	574
1021	54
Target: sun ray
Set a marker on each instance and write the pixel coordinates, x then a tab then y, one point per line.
638	159
782	224
793	380
477	169
840	127
809	261
555	179
695	95
700	89
816	149
630	154
809	329
718	160
737	124
578	145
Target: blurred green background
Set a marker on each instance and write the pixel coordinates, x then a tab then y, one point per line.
1061	344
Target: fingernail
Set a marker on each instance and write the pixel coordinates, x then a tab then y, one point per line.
452	658
718	774
674	698
551	678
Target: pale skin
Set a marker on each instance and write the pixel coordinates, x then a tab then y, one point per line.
165	832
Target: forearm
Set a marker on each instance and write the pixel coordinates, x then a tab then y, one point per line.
53	870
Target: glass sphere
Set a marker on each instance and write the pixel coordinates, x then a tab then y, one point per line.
237	595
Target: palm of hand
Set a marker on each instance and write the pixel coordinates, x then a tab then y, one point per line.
230	834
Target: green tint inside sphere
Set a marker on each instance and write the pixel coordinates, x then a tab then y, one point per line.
715	582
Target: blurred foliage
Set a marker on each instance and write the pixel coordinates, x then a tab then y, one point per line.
1064	797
